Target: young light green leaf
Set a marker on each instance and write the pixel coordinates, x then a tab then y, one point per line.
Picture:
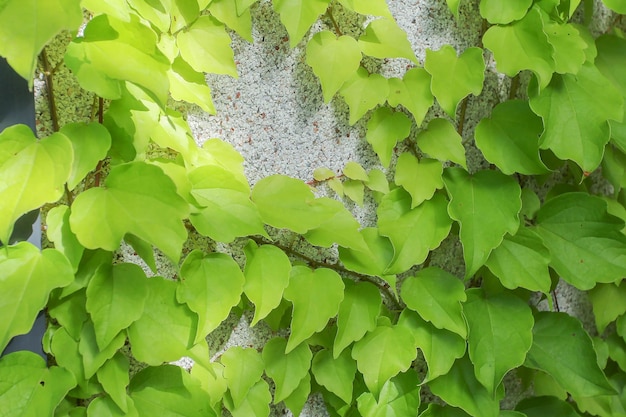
189	85
413	92
437	296
454	5
239	20
454	77
384	129
373	261
342	228
521	261
400	396
243	368
355	191
298	16
377	181
575	111
66	354
364	91
114	378
419	178
474	198
286	369
504	12
115	300
59	232
568	47
510	138
522	45
266	277
92	356
28	275
335	372
413	232
105	406
323	174
618	6
205	45
355	171
441	141
586	242
298	398
256	403
545	406
368	7
32	173
334	60
316	295
210	285
383	38
90	142
138	198
563	349
609	302
500	334
358	314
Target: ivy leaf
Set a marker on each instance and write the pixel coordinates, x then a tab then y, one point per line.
266	277
373	261
609	302
453	5
460	388
385	128
382	354
521	261
586	242
26	28
437	296
500	334
616	5
400	396
189	85
504	13
441	141
28	275
454	77
413	232
383	38
575	111
94	357
335	372
316	296
114	378
105	406
510	138
32	173
569	47
138	198
210	285
436	410
243	368
205	46
115	300
299	15
286	369
362	92
473	198
545	406
358	314
419	178
563	349
522	45
333	60
342	228
368	7
239	20
413	92
59	232
256	403
91	142
298	398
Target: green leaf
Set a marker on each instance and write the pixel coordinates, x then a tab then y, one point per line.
205	46
32	173
316	296
113	376
436	410
437	296
586	242
521	261
384	129
618	6
441	141
500	334
94	357
143	249
334	60
70	312
227	12
563	349
453	5
368	7
372	261
106	407
454	77
510	138
569	47
545	406
286	369
460	388
243	368
25	28
266	277
29	388
256	402
420	178
59	232
323	174
400	396
138	198
383	38
116	300
364	91
166	329
575	111
474	198
298	398
382	354
112	51
413	232
28	275
91	142
413	92
355	191
298	16
335	372
609	302
504	12
66	354
377	181
522	45
169	391
189	85
342	228
211	285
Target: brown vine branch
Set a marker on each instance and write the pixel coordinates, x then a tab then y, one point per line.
514	87
47	72
329	13
462	118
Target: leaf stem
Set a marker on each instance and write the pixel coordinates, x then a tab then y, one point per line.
514	87
329	13
47	72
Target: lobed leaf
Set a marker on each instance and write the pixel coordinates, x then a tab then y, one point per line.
90	142
287	370
385	128
362	92
441	141
59	232
504	12
383	38
299	15
243	368
335	372
412	92
420	178
400	396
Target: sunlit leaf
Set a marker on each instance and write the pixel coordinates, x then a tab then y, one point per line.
114	378
243	368
229	13
59	232
400	396
372	261
91	143
412	92
335	372
286	369
342	228
421	178
298	16
189	85
569	47
440	140
364	91
93	357
358	314
296	401
256	403
383	38
504	12
385	128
